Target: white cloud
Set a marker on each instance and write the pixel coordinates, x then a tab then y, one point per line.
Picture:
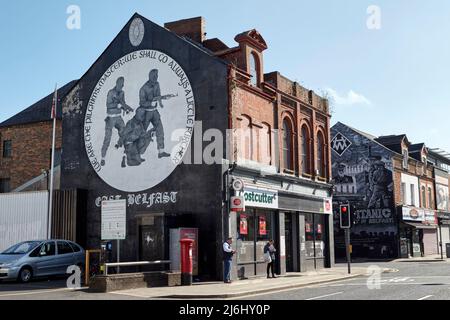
351	98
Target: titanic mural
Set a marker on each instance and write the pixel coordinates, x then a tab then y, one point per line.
362	175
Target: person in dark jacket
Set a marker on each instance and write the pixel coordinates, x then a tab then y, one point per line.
269	249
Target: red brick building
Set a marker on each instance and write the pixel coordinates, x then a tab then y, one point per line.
26	142
280	146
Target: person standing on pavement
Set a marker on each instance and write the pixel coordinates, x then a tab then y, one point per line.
228	253
269	249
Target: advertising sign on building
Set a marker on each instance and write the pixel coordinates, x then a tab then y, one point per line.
237	204
260	198
243	224
114	219
413	214
327	206
430	217
262	226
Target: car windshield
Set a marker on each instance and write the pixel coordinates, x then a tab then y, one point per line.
22	248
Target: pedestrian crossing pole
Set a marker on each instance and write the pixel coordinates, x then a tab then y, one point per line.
347	249
346	224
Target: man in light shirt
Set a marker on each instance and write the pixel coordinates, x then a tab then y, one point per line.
228	253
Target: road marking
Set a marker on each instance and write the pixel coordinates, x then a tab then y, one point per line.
34	292
326	295
131	294
426	297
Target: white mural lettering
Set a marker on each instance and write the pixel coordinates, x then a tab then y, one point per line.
142	199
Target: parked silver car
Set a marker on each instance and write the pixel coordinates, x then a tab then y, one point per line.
30	259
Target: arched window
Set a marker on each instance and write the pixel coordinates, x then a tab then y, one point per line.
321	155
246	139
424	197
253	64
430	198
265	144
305	151
288	155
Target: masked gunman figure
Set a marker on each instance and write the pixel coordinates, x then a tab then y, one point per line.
150	97
115	105
135	139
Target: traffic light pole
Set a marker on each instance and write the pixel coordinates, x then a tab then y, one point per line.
347	249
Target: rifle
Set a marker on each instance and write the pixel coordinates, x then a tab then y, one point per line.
164	97
126	109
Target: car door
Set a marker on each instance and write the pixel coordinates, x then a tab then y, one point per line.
65	256
46	262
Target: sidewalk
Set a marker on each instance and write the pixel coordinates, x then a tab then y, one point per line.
430	258
239	288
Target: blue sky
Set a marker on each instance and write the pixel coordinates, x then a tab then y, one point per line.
388	81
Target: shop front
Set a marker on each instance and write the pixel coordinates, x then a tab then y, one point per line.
418	232
298	223
444	231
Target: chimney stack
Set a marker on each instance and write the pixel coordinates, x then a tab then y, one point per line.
193	28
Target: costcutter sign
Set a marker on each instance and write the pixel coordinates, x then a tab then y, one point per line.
260	198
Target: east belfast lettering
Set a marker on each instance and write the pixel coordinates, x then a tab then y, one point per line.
147	200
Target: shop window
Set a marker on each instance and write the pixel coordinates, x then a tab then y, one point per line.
5	185
7	149
305	151
254	230
315	235
288	155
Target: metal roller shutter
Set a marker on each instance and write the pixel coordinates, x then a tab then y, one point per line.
430	241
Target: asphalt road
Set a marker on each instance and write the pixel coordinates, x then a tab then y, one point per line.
413	281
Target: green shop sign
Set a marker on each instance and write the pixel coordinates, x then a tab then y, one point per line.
261	198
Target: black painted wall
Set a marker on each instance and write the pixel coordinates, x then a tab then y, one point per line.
199	187
363	176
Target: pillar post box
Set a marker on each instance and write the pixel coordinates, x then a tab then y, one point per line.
186	261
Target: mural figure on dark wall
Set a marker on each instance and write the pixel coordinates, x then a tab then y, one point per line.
341	177
380	184
149	98
135	139
115	105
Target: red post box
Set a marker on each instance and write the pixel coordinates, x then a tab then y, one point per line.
186	261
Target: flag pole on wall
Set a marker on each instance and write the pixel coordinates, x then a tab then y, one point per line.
50	197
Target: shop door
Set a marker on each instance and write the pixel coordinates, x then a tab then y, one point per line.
289	237
316	241
151	242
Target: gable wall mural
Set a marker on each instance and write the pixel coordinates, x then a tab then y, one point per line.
129	124
363	175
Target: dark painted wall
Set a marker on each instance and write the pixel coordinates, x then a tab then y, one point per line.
198	187
363	176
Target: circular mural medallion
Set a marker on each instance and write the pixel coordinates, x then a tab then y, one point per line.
139	120
137	31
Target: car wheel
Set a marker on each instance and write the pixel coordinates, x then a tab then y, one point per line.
25	275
